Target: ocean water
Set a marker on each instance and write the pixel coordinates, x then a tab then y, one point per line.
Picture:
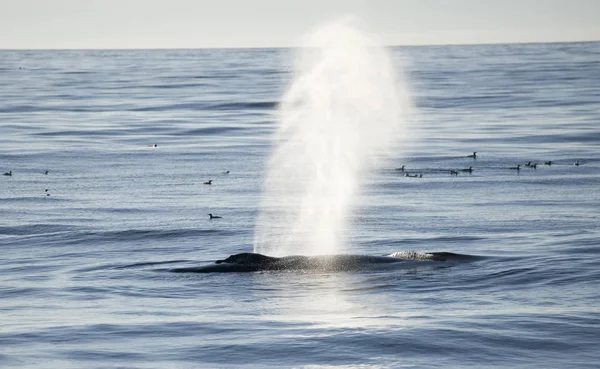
88	248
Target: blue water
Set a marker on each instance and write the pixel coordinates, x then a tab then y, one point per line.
84	273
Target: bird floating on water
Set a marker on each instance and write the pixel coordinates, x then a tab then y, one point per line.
8	173
469	170
548	162
209	182
531	165
518	167
474	155
576	163
214	216
401	168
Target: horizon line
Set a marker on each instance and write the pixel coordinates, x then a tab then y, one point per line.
493	43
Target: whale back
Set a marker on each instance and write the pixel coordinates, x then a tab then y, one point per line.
251	262
247	258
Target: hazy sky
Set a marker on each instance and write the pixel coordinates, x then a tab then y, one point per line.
258	23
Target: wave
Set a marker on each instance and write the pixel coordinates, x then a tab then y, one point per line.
143	234
219	106
35	229
256	105
73	235
134	132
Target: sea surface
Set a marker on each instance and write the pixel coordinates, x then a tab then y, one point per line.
87	249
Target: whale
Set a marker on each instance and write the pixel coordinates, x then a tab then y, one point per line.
254	262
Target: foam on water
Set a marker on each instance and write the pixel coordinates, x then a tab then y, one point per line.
344	107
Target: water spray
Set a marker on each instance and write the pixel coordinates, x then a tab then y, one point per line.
344	108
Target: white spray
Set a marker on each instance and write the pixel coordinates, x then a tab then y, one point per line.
344	108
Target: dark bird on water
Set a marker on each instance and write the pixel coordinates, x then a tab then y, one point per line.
401	168
548	162
8	173
46	172
518	167
576	163
474	155
209	182
226	172
214	216
531	165
469	170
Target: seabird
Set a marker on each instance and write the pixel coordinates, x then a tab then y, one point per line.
474	156
209	182
577	163
214	216
8	173
548	162
46	172
401	168
469	169
529	165
518	167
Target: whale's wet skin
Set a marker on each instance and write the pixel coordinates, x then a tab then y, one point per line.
252	262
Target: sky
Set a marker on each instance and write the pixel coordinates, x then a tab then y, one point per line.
110	24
